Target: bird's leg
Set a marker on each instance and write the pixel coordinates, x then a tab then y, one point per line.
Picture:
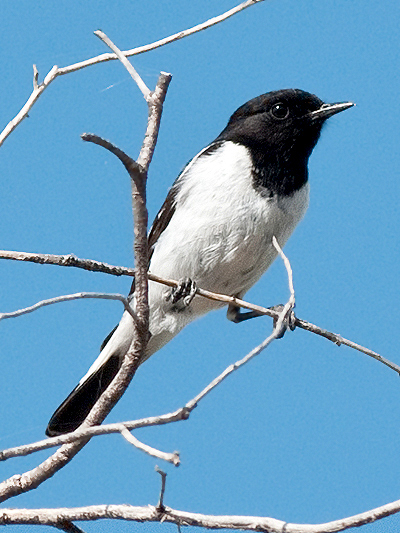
183	293
235	315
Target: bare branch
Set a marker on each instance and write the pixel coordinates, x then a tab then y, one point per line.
135	171
98	266
55	71
68	298
85	433
160	505
32	479
67	260
288	267
129	67
276	333
93	431
155	104
37	91
169	457
149	513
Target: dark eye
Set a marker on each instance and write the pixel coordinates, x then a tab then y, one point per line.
280	110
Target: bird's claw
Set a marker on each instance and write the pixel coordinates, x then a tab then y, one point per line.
184	292
289	321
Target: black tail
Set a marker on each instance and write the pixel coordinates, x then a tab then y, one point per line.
75	408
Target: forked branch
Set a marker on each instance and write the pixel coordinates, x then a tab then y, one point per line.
33	478
98	266
55	72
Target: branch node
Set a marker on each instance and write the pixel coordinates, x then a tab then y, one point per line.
186	411
136	172
338	340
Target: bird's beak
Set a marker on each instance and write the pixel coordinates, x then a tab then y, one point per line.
327	110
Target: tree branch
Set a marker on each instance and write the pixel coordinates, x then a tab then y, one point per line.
129	67
149	513
38	89
181	414
169	457
93	431
68	298
33	478
98	266
160	505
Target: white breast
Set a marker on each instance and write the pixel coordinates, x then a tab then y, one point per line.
221	232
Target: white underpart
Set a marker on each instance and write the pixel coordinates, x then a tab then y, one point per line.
220	236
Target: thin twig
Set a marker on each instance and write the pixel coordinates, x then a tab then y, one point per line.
66	260
288	267
32	479
160	505
55	71
98	266
169	457
129	67
135	171
23	113
93	431
155	105
68	298
181	414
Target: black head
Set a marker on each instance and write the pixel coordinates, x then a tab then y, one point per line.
281	129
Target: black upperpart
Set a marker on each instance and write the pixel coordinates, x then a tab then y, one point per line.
281	129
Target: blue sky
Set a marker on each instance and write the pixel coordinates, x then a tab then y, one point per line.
308	432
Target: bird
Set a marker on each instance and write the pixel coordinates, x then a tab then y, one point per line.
215	228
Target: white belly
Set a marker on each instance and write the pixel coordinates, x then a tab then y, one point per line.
222	241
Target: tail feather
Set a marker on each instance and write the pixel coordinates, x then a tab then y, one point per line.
75	408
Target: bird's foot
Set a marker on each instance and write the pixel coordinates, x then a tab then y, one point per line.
183	293
289	321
